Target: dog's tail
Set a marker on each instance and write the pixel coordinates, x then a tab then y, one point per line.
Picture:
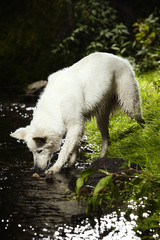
129	96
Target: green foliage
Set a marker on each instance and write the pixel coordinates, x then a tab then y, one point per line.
145	195
84	176
147	34
97	199
96	29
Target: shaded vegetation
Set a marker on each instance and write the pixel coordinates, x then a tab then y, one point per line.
147	38
97	29
39	37
29	28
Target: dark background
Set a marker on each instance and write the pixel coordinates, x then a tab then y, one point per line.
32	29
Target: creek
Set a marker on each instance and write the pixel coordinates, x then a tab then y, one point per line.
32	208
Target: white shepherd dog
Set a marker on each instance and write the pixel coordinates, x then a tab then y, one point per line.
94	86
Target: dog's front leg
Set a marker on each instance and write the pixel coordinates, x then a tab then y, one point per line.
73	137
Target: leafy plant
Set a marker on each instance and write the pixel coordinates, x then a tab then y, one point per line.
96	29
122	187
84	176
96	198
147	38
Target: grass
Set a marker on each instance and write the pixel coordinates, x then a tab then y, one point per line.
129	140
135	144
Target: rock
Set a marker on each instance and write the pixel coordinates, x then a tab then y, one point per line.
33	91
35	175
110	164
36	87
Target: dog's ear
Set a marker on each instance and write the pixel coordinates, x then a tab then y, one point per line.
40	141
20	133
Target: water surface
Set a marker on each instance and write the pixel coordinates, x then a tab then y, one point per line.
32	208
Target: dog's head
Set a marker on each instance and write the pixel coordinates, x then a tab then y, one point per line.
41	143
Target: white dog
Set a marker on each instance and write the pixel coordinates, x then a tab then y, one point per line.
94	86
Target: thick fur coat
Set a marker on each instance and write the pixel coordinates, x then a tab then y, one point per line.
95	86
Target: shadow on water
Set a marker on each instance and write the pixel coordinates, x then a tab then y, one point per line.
31	208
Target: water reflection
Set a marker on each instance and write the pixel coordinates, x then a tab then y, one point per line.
110	227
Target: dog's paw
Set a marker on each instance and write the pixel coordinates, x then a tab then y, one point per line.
51	171
49	174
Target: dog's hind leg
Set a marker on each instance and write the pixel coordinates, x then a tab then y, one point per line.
103	123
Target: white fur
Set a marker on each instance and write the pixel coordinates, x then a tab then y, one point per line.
94	86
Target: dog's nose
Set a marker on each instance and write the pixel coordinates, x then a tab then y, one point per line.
37	169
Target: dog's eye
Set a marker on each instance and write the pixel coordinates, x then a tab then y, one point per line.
39	151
